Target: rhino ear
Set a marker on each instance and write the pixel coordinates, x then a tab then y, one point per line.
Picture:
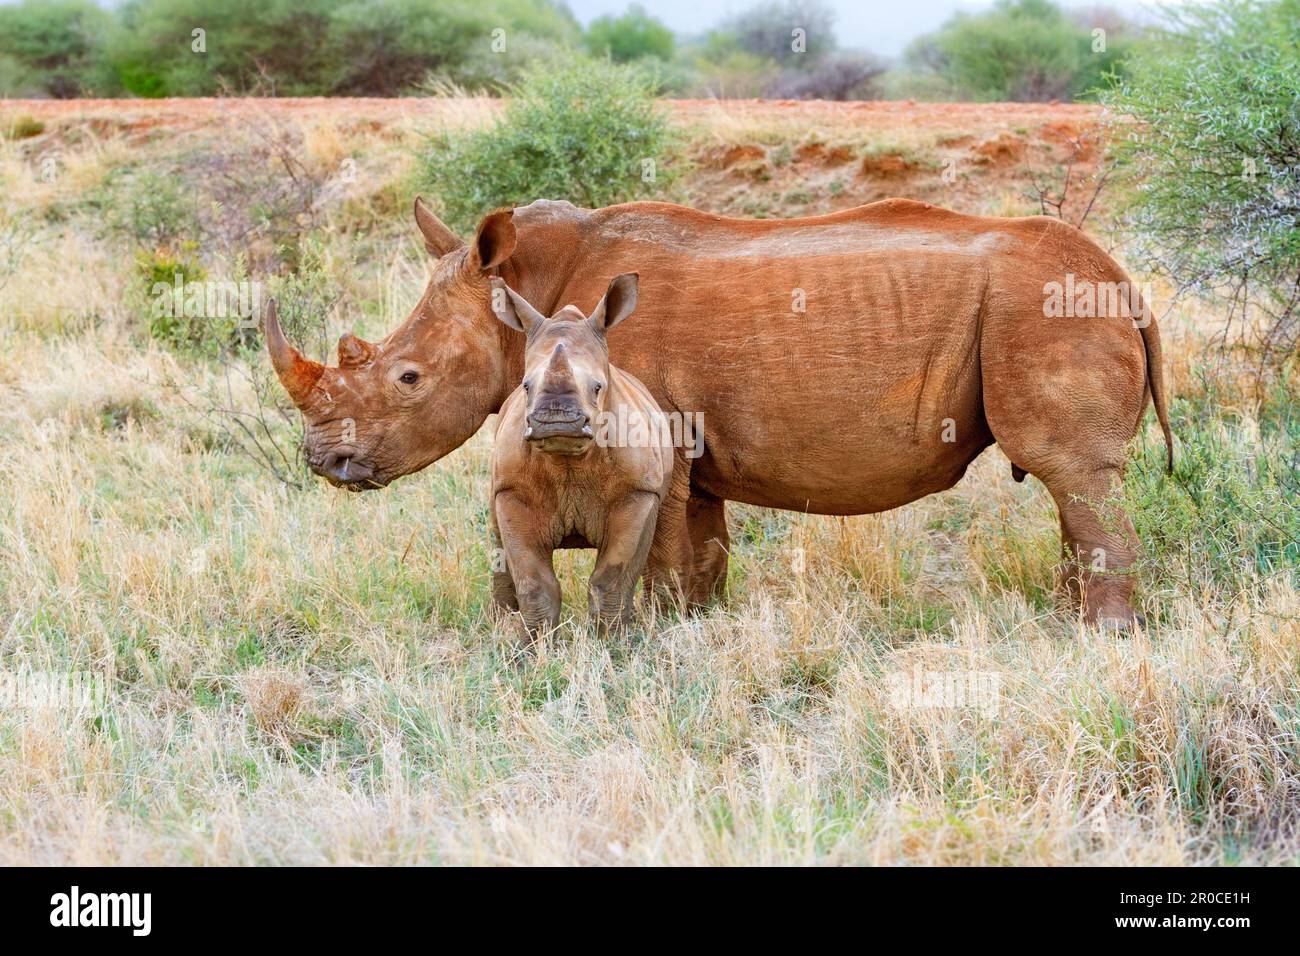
438	239
494	242
513	309
618	302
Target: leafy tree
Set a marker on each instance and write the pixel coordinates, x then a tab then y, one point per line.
631	36
768	30
48	47
841	76
246	45
1024	50
305	47
780	48
1212	151
719	68
385	47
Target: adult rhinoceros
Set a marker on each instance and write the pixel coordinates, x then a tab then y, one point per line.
843	364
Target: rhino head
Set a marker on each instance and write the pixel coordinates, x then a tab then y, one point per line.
390	408
566	363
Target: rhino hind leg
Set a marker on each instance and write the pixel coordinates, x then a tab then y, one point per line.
706	520
1068	426
1099	548
504	598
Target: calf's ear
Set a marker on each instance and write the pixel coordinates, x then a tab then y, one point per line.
438	239
618	302
512	308
494	242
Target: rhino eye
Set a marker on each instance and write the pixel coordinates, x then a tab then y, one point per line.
410	378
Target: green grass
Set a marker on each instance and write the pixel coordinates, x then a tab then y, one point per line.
306	676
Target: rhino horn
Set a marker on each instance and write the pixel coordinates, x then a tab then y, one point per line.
298	374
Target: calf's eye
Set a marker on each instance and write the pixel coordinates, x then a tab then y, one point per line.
410	378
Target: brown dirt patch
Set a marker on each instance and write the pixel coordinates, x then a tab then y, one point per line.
1002	148
886	166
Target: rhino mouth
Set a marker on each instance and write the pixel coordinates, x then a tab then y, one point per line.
559	432
557	421
369	484
358	484
345	471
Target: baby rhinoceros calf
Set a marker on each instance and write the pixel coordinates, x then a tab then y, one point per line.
562	476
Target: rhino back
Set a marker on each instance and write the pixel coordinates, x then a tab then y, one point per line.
828	354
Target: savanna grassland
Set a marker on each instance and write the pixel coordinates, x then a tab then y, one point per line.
294	674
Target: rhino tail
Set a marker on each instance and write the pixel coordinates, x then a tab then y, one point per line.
1156	376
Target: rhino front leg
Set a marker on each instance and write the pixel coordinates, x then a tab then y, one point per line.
629	530
503	586
528	562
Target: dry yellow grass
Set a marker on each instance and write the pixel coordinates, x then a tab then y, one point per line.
312	677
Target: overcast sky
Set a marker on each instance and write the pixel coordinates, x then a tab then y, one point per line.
881	26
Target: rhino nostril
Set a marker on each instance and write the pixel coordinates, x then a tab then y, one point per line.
332	465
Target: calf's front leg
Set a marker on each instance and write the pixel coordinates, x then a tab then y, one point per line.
503	587
629	529
528	560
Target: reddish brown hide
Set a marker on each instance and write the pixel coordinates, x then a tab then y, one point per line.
843	364
560	476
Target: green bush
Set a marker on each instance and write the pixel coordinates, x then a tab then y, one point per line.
1214	159
632	36
154	211
588	131
1231	515
1021	50
160	271
48	47
314	47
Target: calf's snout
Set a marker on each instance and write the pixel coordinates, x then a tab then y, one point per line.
557	418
